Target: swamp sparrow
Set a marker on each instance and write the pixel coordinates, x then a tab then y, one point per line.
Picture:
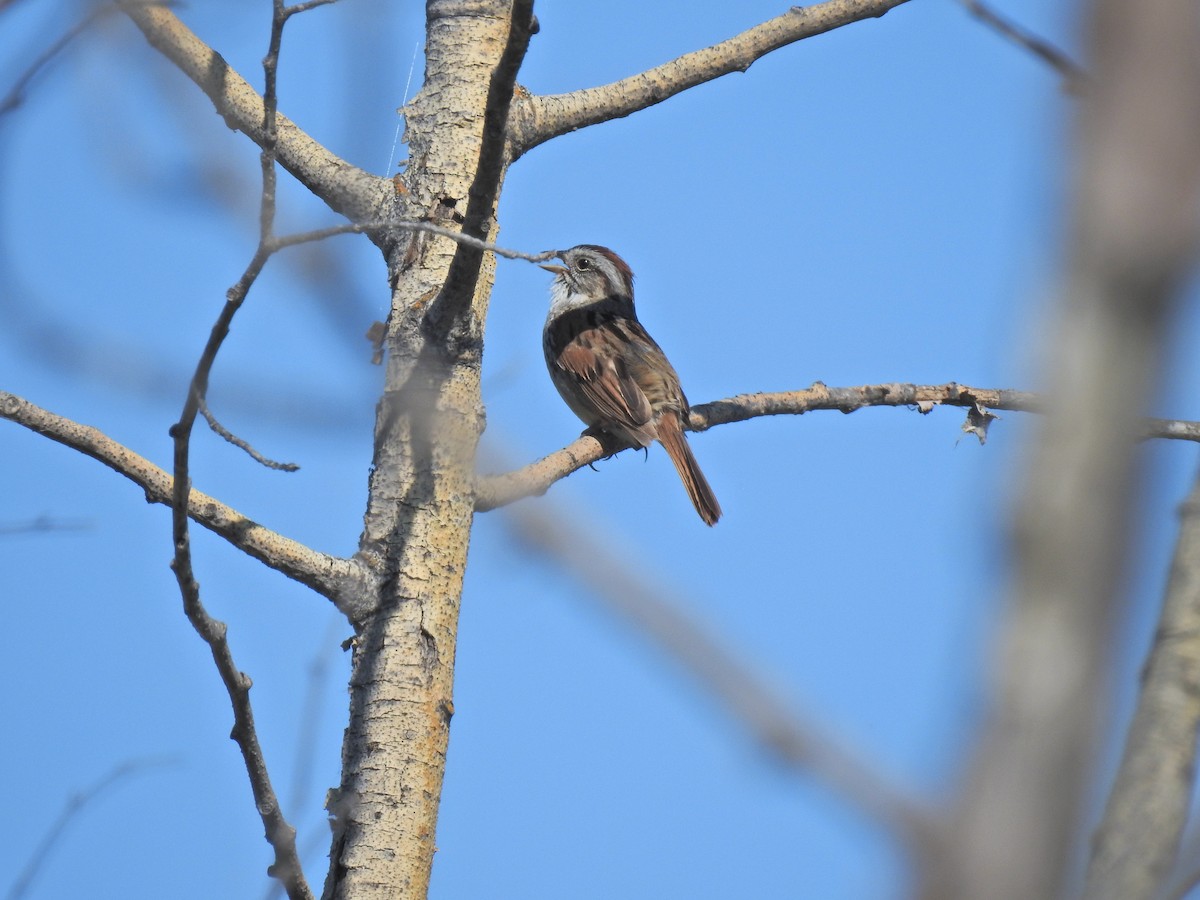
610	371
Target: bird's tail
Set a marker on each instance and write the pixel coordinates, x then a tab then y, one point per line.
674	441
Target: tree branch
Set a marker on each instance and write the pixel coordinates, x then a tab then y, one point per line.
325	574
356	194
537	119
494	491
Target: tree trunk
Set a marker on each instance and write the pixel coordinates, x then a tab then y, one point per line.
421	502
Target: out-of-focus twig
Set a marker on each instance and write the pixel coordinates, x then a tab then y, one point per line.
74	807
16	94
743	694
44	524
1073	76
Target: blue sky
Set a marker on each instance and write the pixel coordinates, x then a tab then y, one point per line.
883	203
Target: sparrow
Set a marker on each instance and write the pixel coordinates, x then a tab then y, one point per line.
609	371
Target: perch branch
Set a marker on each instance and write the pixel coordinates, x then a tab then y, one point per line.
537	119
499	490
76	804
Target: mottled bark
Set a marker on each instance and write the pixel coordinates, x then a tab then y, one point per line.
429	419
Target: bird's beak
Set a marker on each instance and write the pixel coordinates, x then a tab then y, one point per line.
557	270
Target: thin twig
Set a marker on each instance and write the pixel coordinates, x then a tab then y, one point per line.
232	438
16	95
1073	76
320	234
279	833
71	810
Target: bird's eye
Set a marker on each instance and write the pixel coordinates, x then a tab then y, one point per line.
584	264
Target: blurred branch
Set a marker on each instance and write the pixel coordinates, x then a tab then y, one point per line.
73	808
534	479
356	194
1132	240
1139	836
16	94
325	574
537	119
1187	866
745	697
1073	76
44	524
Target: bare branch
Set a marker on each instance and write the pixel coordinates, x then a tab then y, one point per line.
279	832
328	575
499	490
742	693
537	119
1073	77
1137	842
356	194
245	446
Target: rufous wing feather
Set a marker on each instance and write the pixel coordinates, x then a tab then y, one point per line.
674	441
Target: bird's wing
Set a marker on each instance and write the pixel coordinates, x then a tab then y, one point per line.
595	359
